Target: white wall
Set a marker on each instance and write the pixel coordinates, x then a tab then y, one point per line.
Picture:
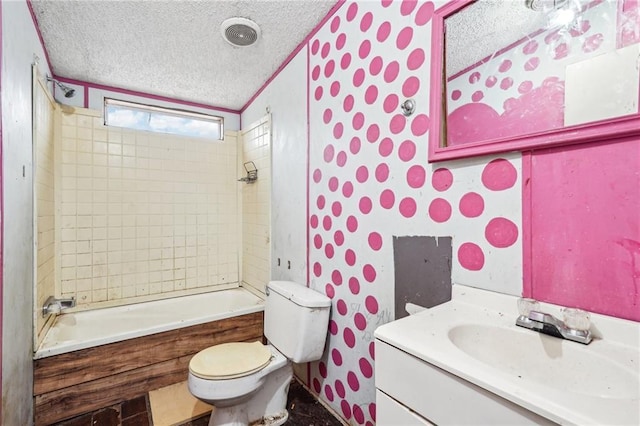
19	44
286	98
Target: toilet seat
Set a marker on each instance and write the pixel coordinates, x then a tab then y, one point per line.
230	360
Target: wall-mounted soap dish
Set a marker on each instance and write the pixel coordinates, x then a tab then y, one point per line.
252	173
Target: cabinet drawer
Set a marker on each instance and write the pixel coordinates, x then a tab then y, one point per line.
391	413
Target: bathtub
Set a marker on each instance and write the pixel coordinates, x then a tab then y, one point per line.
81	330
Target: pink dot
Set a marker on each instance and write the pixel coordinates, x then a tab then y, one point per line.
341	41
326	117
326	48
561	51
333	184
328	392
391	72
318	93
525	87
501	232
327	223
455	95
365	49
371	94
360	321
336	208
335	24
315	46
329	68
410	87
317	175
387	199
348	103
339	388
416	176
471	204
315	73
346	409
471	257
408	207
397	123
316	385
317	269
373	133
420	125
505	65
354	285
365	368
352	11
506	83
592	43
362	174
347	189
345	61
329	291
329	251
317	239
382	172
341	306
336	277
358	414
338	129
383	31
474	77
372	350
313	220
335	89
333	327
477	96
491	81
354	145
372	412
416	59
338	238
349	337
530	47
407	150
328	153
320	202
341	159
386	147
407	7
375	241
532	64
369	273
580	29
336	356
375	66
352	380
371	303
322	369
365	205
499	175
366	21
390	103
424	13
352	224
358	77
350	257
358	121
404	38
442	179
439	210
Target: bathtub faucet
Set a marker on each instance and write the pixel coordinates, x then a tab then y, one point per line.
548	324
54	306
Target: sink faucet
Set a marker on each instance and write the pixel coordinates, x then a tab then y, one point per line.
548	324
54	306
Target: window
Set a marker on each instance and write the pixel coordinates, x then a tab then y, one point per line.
162	120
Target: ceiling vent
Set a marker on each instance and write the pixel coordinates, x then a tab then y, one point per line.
240	32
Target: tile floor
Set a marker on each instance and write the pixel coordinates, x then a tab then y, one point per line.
304	410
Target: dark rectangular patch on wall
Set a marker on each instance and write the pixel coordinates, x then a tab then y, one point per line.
422	271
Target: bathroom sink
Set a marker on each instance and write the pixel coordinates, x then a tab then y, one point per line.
550	361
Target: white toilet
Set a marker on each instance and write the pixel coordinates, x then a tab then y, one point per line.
249	382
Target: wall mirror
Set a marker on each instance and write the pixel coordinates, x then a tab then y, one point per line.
523	74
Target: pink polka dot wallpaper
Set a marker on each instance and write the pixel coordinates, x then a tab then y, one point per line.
369	181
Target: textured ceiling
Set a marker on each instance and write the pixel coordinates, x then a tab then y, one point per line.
173	48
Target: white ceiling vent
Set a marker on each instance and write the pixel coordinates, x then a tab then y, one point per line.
240	32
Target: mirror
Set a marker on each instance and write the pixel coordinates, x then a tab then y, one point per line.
523	74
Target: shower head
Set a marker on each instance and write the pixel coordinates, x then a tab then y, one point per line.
68	91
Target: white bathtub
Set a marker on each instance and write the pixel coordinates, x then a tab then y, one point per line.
82	330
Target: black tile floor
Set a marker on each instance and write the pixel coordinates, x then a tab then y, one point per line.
304	410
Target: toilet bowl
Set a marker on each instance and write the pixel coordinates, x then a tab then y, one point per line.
248	383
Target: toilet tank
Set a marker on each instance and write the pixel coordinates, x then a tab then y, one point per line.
296	320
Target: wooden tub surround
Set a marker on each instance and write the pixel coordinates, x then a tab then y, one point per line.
82	381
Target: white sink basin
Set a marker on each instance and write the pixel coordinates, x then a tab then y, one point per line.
550	361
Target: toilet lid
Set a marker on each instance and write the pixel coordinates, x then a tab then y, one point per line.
230	360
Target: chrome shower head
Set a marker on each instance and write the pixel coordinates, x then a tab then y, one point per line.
68	91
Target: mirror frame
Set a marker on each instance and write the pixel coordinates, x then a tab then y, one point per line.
603	130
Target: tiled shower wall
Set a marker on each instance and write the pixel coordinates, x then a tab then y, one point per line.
256	235
144	215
